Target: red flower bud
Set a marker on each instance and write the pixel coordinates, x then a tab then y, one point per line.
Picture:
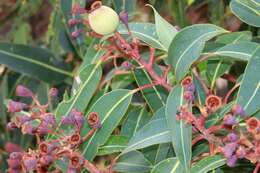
76	160
94	120
11	147
187	81
252	125
46	148
213	103
188	96
22	91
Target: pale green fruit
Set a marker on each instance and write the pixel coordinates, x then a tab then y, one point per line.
104	20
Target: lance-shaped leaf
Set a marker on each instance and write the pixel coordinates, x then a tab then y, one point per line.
155	96
154	132
207	164
171	165
136	119
111	108
133	162
145	32
87	82
241	51
113	145
165	31
249	91
181	133
188	44
247	10
235	37
33	61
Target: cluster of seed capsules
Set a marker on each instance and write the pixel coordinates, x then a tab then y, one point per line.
239	141
34	119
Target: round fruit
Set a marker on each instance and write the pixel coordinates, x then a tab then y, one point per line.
103	20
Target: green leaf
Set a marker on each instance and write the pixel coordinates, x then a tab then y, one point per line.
133	162
249	91
136	119
240	51
181	133
155	96
247	10
207	164
165	31
235	37
87	82
111	108
154	132
33	61
171	165
145	32
188	44
114	144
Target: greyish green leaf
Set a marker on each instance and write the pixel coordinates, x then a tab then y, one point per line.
188	44
114	144
171	165
207	164
145	32
235	37
87	82
247	10
111	108
181	133
154	132
165	31
249	91
33	61
133	162
240	51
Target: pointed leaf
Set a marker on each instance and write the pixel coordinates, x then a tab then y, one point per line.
207	164
249	92
33	61
165	31
181	133
111	108
171	165
87	82
145	32
188	44
133	162
247	10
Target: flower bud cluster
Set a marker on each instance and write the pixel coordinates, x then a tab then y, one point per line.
37	121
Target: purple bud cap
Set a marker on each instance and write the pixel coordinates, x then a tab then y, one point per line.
46	160
229	120
53	92
231	162
190	88
22	91
29	163
229	149
16	155
232	137
67	120
14	106
78	117
123	15
49	119
20	120
43	128
238	110
188	96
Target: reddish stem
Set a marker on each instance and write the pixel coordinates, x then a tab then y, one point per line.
197	139
257	168
211	149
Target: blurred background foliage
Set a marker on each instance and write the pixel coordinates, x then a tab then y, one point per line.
43	24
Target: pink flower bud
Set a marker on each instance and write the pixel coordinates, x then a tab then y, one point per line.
21	119
11	126
14	106
29	162
229	149
232	137
11	147
43	128
240	153
238	110
49	118
229	120
22	91
188	96
231	162
46	160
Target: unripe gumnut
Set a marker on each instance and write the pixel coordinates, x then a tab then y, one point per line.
103	20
